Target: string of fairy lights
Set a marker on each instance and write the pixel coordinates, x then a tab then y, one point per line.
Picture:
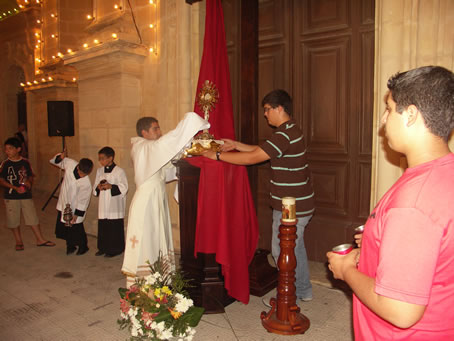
47	39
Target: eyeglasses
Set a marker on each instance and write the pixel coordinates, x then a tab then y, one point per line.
266	109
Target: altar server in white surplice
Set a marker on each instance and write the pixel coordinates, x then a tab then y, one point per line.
149	227
111	187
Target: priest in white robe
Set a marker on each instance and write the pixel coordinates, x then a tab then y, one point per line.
149	229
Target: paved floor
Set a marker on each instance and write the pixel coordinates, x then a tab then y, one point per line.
47	295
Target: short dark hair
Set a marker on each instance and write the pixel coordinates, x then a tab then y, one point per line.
107	151
277	98
13	141
85	166
431	90
144	123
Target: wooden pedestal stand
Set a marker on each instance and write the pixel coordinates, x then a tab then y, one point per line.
285	317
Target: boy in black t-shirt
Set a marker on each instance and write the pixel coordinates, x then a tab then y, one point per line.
16	176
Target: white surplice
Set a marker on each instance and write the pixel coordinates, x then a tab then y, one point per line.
111	206
149	227
74	191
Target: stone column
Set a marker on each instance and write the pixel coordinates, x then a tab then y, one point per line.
409	34
110	91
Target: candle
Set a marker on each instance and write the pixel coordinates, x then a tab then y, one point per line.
288	209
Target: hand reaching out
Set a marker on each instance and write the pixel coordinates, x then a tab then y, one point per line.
228	145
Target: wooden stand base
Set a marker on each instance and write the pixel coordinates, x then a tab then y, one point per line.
285	317
207	284
262	276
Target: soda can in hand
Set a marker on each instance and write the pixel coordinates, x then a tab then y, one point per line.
342	249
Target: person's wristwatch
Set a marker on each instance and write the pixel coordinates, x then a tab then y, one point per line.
218	154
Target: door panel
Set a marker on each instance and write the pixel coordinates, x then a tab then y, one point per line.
322	53
330	77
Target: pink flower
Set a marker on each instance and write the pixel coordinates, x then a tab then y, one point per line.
124	305
132	290
146	316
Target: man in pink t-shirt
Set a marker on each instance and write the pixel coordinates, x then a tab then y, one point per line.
403	274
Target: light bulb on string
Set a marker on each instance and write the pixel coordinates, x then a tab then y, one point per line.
85	45
22	84
114	35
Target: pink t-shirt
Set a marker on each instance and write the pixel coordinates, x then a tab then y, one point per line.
408	247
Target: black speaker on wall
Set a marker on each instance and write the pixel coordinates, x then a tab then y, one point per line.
60	118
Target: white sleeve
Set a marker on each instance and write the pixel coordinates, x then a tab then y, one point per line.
95	185
122	182
83	195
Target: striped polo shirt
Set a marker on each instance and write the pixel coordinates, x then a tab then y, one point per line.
290	175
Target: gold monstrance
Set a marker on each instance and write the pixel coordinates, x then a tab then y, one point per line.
206	99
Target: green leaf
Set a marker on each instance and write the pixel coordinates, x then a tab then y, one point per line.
163	316
194	314
122	292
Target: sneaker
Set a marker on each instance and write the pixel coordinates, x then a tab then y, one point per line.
306	299
265	302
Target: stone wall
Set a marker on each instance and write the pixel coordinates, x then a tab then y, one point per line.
105	65
409	34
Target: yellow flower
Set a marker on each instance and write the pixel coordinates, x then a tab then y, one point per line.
145	288
157	292
166	290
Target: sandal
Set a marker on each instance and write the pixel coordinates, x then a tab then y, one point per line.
19	247
47	243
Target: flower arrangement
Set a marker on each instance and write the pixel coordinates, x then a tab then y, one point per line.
157	307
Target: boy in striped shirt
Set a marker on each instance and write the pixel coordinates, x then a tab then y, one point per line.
290	176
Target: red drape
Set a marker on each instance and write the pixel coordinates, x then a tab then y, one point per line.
215	68
226	222
226	218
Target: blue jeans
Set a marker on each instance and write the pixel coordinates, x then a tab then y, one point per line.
302	283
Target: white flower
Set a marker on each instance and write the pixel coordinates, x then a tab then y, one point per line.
183	303
152	278
167	334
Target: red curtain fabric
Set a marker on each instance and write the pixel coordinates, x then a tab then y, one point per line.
226	219
226	222
215	68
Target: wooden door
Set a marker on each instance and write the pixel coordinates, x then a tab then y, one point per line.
322	53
